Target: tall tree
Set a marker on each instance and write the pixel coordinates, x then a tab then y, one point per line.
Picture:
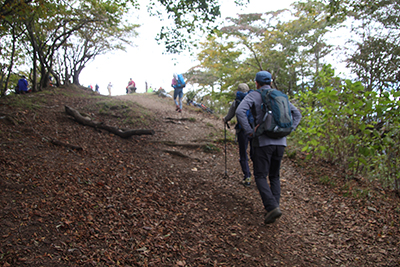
377	49
375	62
50	25
104	33
220	63
187	17
10	50
291	49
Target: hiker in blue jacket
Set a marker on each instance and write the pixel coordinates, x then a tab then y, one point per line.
22	85
268	152
242	138
178	84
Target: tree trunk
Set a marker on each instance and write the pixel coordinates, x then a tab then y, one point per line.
9	70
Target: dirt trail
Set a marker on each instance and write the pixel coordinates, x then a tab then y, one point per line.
189	127
319	227
163	200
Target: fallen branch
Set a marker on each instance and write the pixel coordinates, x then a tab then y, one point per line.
99	125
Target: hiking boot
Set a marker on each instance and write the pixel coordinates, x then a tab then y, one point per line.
272	216
247	182
177	108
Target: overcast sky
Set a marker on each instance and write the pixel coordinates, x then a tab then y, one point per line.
146	62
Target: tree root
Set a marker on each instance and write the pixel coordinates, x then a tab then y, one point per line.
99	125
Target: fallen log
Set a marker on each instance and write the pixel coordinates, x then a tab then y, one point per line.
99	125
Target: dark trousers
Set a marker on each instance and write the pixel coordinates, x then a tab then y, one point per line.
267	162
243	141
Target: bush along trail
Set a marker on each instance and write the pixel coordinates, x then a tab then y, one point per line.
74	194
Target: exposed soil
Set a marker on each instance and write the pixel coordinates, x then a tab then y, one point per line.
168	199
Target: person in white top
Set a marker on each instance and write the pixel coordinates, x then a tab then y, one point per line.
109	88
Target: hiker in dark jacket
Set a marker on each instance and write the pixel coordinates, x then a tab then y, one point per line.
243	139
268	152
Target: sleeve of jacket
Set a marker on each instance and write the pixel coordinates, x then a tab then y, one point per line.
231	112
241	115
296	115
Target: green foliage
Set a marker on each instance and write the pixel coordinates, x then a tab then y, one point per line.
230	137
361	193
291	49
352	127
59	37
291	154
26	103
220	62
187	17
190	95
210	148
327	181
375	38
128	112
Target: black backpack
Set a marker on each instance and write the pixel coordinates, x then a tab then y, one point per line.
239	97
277	119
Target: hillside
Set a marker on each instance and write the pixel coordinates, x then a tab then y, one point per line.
75	195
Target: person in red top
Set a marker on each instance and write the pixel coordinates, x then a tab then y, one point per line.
131	88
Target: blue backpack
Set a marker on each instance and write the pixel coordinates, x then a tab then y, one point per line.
277	120
239	97
180	82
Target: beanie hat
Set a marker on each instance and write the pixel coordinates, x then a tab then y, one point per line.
243	88
263	76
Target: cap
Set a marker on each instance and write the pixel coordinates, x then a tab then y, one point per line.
263	76
243	88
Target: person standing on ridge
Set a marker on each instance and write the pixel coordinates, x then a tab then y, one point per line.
109	88
243	139
268	152
178	83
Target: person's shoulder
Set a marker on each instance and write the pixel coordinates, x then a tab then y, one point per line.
252	94
292	105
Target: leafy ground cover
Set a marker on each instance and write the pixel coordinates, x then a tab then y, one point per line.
164	199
